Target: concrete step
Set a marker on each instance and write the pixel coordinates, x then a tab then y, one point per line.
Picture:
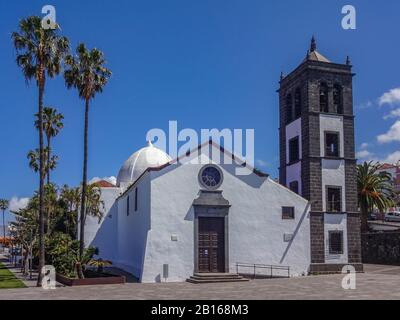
196	281
215	278
216	275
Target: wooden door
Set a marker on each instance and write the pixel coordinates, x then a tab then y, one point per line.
211	245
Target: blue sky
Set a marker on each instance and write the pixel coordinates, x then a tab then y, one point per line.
206	64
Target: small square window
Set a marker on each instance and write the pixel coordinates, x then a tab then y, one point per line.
332	144
294	150
335	242
333	199
287	213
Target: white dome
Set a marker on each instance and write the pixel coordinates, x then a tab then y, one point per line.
139	162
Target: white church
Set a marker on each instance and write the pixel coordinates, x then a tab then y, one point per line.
198	218
170	219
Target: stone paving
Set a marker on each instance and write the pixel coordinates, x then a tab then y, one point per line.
379	282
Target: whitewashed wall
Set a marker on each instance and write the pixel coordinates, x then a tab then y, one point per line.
134	228
103	234
332	123
256	228
333	174
333	171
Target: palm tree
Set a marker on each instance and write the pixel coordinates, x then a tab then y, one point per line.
39	54
3	207
34	163
86	73
52	124
94	204
71	198
375	190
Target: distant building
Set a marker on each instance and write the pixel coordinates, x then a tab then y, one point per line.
394	171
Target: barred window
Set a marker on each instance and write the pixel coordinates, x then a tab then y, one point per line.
334	199
332	144
287	213
335	242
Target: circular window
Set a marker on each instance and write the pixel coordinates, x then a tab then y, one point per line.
211	177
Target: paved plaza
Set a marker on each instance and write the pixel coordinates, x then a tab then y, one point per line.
378	282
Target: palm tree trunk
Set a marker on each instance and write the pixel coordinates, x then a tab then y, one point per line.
48	159
79	271
41	182
48	182
84	182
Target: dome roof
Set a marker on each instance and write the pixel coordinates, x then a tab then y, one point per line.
139	162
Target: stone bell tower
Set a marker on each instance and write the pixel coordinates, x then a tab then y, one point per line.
317	156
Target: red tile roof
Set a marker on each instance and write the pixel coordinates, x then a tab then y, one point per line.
104	184
387	166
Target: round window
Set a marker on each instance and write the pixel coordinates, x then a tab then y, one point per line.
211	177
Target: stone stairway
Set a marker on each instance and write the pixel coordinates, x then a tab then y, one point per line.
215	278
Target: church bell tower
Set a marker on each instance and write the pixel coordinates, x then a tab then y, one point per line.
317	156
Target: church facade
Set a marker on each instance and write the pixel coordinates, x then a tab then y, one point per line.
195	215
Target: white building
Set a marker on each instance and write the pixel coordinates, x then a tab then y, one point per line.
196	216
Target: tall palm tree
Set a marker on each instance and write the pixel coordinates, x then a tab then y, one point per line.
87	73
375	190
39	54
3	207
52	124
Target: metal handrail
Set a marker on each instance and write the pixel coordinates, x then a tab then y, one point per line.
255	266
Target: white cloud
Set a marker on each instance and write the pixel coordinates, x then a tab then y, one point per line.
393	114
262	163
364	154
391	97
111	179
18	203
392	158
365	105
364	146
392	135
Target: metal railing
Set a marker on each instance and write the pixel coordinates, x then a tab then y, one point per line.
285	270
